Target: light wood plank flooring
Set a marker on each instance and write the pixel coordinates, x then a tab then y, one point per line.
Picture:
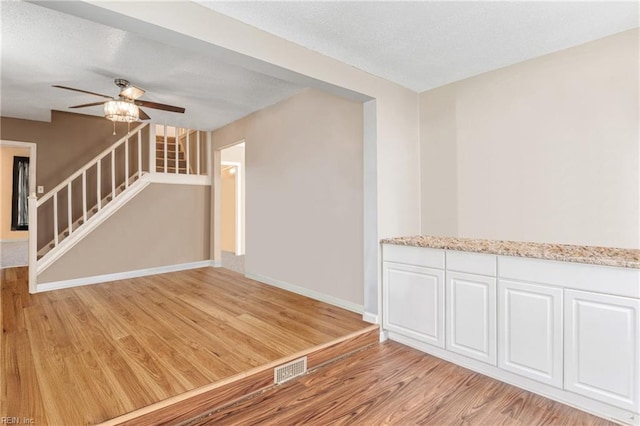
88	354
392	384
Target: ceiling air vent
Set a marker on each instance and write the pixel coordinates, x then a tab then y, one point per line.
290	370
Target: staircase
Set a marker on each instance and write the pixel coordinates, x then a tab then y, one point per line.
121	172
90	213
166	151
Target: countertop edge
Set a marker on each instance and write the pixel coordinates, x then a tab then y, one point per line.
603	256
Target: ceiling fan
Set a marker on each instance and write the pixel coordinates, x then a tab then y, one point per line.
126	107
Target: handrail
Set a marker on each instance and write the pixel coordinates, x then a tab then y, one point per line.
90	164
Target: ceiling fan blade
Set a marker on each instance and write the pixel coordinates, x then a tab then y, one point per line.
87	105
156	105
131	92
82	91
143	115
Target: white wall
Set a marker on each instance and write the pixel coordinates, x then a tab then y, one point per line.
546	150
304	193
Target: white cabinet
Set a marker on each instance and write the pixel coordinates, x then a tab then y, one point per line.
530	331
601	347
413	302
566	330
471	316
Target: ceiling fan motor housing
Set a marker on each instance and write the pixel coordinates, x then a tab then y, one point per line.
121	82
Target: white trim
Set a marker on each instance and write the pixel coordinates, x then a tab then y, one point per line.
341	303
95	221
369	317
178	179
97	279
216	263
21	240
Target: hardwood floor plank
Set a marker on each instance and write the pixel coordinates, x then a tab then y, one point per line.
89	354
393	384
19	378
58	384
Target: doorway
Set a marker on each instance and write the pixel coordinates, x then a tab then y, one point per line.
232	206
18	180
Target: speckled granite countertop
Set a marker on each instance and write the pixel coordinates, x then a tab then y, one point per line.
626	258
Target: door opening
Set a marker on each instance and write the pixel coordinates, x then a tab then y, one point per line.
232	206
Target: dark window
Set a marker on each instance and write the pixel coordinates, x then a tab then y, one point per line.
19	200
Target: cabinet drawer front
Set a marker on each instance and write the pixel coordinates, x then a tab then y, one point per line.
413	302
530	331
409	255
577	276
471	316
601	348
473	263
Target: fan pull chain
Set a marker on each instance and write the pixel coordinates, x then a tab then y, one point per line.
114	128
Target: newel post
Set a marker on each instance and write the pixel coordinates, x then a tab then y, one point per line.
33	242
152	148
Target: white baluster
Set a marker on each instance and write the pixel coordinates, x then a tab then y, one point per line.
139	154
99	183
188	158
126	163
33	240
166	160
69	209
84	195
177	150
198	152
113	174
152	148
55	218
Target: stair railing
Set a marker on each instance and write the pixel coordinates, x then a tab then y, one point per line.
66	185
185	141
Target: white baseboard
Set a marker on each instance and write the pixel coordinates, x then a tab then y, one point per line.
369	317
76	282
216	264
350	306
21	240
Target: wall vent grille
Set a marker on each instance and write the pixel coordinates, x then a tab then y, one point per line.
290	370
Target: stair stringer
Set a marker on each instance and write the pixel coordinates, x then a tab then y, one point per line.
94	222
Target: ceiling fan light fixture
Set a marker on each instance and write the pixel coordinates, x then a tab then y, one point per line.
131	92
122	111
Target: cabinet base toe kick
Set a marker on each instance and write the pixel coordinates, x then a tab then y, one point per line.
571	399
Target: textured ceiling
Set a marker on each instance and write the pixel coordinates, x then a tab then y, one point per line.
42	47
426	44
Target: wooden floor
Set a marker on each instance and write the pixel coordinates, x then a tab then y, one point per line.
392	384
88	354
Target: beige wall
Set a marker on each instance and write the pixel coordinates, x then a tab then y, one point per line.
228	209
65	143
304	197
163	225
6	192
393	176
546	150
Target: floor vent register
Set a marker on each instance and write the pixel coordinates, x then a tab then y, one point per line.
290	370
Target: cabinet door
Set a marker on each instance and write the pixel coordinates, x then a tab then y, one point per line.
413	302
471	316
601	347
530	331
